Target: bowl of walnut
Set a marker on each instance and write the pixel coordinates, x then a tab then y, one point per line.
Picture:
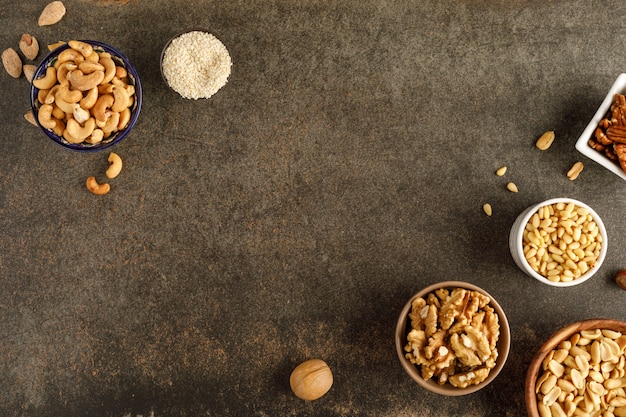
604	138
579	371
452	338
86	95
560	242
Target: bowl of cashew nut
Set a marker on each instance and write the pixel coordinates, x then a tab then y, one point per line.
580	371
86	95
452	338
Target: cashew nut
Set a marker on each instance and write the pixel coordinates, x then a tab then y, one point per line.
84	48
109	68
63	70
96	136
115	166
105	88
120	72
124	119
94	57
70	55
110	126
49	98
70	138
57	113
48	80
71	96
79	132
80	115
121	98
63	105
41	95
59	127
95	188
82	82
90	99
44	115
101	106
87	67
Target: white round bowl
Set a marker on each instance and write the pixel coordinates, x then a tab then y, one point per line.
517	248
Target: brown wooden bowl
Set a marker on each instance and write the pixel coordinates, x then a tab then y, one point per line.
565	333
402	329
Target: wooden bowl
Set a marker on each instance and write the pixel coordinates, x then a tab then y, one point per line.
564	334
402	329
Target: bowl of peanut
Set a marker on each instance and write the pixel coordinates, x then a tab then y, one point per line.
560	242
86	95
452	338
580	371
604	139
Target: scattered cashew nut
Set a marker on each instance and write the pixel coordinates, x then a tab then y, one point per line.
115	166
95	188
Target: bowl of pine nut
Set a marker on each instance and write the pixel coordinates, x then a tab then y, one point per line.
452	338
560	242
580	371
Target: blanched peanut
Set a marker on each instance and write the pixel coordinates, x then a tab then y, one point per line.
578	388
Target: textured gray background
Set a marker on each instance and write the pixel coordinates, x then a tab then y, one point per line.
341	169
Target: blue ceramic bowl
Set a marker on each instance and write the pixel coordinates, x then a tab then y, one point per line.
120	60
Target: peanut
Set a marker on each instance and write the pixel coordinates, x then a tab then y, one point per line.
545	140
578	390
575	170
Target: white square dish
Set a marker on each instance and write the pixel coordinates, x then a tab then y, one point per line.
582	144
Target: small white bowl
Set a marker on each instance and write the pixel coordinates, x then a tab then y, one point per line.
517	248
582	144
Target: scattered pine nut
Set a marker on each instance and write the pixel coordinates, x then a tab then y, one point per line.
501	171
487	209
512	187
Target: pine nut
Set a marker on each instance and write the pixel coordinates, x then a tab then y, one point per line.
487	209
501	171
512	187
565	234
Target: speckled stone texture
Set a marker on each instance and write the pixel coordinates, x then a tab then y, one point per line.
342	168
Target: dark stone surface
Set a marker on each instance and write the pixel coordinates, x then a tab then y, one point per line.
341	169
